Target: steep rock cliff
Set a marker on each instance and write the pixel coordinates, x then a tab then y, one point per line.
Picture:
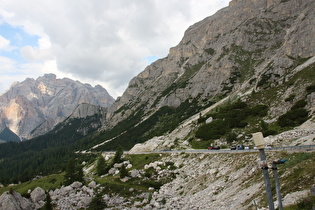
233	51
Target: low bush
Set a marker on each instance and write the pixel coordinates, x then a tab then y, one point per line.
294	117
212	130
306	203
259	110
290	98
231	137
97	203
269	132
299	104
310	89
227	118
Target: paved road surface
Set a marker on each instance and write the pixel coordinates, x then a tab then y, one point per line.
293	148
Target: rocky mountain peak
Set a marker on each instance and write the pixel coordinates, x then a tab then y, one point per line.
48	77
41	103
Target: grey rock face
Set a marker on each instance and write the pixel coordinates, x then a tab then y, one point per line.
14	201
43	102
85	109
225	53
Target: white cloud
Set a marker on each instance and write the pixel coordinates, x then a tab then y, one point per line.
11	72
35	53
4	43
103	41
41	52
6	65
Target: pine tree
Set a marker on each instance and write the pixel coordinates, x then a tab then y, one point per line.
70	172
74	172
97	203
123	171
48	205
118	154
101	166
79	173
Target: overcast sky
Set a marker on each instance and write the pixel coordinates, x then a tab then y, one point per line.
105	42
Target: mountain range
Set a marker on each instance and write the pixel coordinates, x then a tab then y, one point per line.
33	107
248	68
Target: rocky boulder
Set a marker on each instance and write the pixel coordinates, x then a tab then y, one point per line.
38	194
11	200
38	197
74	196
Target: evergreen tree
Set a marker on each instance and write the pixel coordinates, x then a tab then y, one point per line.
97	203
70	172
79	173
118	154
74	172
123	171
47	205
101	167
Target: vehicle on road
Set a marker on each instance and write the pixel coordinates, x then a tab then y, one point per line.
233	147
214	148
240	147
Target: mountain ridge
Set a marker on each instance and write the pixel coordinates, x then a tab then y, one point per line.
42	103
6	135
241	47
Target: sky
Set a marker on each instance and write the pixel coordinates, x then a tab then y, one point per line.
106	42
